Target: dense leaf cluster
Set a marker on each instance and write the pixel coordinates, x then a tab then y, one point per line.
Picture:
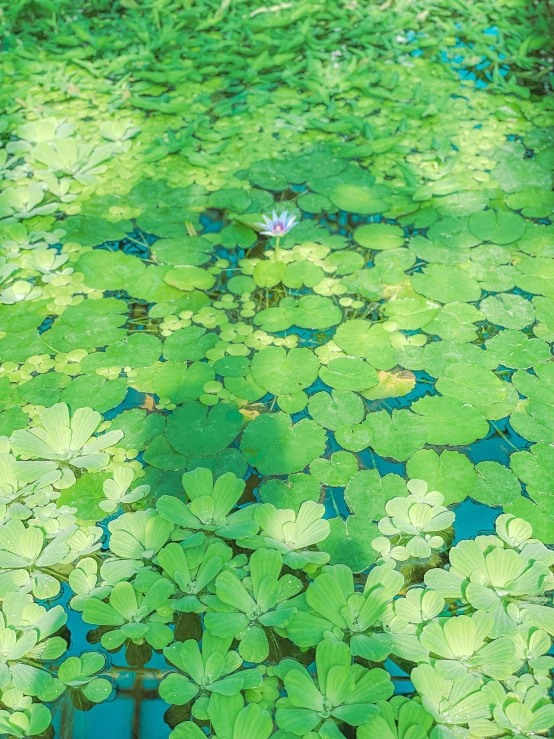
277	294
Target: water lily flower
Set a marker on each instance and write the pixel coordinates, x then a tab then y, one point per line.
277	225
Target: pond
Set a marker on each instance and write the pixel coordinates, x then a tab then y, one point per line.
276	378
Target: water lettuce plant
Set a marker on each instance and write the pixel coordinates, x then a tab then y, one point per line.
344	692
246	609
215	669
332	605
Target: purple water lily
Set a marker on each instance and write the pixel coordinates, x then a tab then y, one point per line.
277	225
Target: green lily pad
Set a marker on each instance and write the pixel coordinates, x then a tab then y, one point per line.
411	313
290	493
379	236
360	338
139	428
189	344
358	199
349	373
456	322
349	542
495	484
538	510
195	431
500	227
367	493
93	391
509	311
446	284
336	471
179	382
515	349
536	467
471	384
450	422
281	372
339	408
181	251
453	232
397	435
189	278
275	446
106	270
532	202
451	473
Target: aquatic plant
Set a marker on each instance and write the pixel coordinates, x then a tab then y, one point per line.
213	669
210	505
509	584
245	609
292	534
344	692
413	525
259	316
68	441
134	616
333	605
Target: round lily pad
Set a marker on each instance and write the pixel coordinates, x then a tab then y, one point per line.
446	284
349	373
275	446
358	199
500	227
339	408
509	311
471	384
281	372
379	236
195	431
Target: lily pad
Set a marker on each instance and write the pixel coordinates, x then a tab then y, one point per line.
509	311
446	284
397	435
471	384
379	236
349	373
195	431
500	227
275	446
451	473
281	372
450	422
332	410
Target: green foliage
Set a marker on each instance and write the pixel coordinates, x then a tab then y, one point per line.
276	294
